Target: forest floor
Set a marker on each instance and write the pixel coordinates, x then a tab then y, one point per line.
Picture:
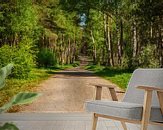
67	90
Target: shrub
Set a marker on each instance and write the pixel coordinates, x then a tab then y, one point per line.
24	61
46	58
6	55
147	57
21	56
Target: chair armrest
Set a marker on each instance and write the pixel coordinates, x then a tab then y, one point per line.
150	88
103	85
111	89
110	86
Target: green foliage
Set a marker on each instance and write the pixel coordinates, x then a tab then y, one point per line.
56	25
76	63
18	21
23	60
4	72
147	58
15	86
20	99
46	58
8	126
24	98
6	53
21	56
19	28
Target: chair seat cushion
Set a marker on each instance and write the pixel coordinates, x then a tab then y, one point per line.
131	111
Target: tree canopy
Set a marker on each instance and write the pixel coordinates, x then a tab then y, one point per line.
117	33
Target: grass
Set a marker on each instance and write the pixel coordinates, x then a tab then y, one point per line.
14	86
118	76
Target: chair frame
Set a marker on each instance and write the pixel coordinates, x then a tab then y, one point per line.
146	106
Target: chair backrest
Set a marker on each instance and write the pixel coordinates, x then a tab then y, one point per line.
147	77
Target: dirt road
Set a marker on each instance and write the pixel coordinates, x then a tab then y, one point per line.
67	91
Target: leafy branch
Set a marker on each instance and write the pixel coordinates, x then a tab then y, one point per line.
19	99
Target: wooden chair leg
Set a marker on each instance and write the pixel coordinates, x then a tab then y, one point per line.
94	122
98	93
113	94
160	98
97	97
124	125
146	110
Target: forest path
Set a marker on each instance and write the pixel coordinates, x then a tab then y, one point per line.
66	91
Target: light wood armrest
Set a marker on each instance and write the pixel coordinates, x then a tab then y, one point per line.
103	85
148	88
107	86
111	89
160	98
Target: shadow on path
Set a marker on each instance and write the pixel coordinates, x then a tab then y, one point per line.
76	74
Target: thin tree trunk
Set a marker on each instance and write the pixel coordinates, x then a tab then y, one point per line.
74	49
62	49
103	56
135	42
120	43
151	30
110	42
106	36
111	48
68	51
94	49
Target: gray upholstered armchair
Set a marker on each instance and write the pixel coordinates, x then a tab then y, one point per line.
142	103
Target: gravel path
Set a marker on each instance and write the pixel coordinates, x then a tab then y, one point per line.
67	91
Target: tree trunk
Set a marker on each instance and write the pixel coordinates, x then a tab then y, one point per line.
62	49
94	49
68	51
107	37
103	56
120	43
111	48
135	42
74	49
